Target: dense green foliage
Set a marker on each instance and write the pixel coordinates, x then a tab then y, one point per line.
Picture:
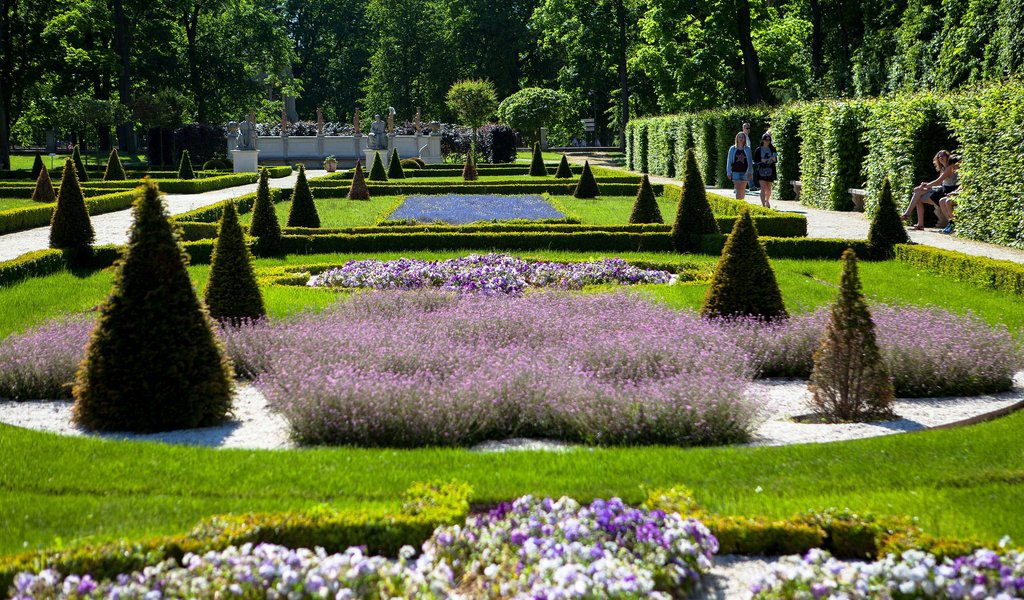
37	165
563	171
978	270
358	190
153	362
532	108
76	157
185	170
645	207
786	136
377	170
469	172
70	227
231	291
537	168
303	210
886	227
472	101
114	170
587	186
744	283
849	381
694	217
265	226
43	191
395	170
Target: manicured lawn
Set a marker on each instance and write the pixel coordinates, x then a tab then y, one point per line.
25	161
339	212
12	203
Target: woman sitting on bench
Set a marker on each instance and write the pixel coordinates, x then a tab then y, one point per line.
930	192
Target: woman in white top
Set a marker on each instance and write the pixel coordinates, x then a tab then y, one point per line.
740	165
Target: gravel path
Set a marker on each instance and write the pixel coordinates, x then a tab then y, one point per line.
112	228
255	426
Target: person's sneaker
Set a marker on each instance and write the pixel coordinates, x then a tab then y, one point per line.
948	229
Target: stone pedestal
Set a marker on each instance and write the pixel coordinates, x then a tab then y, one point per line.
246	161
385	157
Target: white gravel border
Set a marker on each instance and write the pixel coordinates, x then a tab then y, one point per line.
255	426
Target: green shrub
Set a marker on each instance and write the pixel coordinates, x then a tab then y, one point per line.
833	153
744	283
786	136
37	166
214	165
413	163
727	123
185	170
303	210
981	271
630	133
70	227
886	226
469	170
265	226
564	171
587	186
232	292
43	191
645	207
661	145
395	170
153	362
377	172
642	148
76	157
114	170
32	264
358	190
704	141
693	213
850	381
537	168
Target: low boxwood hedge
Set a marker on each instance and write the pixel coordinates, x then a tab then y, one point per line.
19	219
981	271
406	188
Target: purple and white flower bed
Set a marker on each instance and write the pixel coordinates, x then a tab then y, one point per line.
526	549
913	574
460	209
489	273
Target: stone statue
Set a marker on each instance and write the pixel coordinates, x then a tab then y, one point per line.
378	134
417	120
355	123
319	122
246	135
284	121
391	120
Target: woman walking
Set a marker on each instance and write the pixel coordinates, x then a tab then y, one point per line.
739	165
765	159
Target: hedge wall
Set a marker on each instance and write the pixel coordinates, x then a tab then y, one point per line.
981	271
728	123
19	219
540	187
786	136
833	153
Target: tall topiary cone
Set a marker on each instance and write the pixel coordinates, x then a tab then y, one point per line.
377	172
693	214
849	380
395	170
744	284
44	187
303	211
586	187
115	170
76	156
645	208
537	168
358	189
563	172
265	227
469	169
185	170
70	227
886	227
37	166
231	292
153	362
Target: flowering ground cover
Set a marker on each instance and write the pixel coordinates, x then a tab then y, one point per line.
914	574
529	548
490	273
459	209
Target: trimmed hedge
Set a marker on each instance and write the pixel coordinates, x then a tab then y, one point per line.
212	213
19	219
728	122
786	136
833	153
981	271
483	169
528	187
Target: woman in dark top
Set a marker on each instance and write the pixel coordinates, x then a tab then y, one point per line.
765	159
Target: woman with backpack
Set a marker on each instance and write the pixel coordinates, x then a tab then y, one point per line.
765	158
740	165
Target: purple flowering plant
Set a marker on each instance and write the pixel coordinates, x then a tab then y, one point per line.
461	209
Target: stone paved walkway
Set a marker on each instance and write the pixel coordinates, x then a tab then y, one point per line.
835	224
112	228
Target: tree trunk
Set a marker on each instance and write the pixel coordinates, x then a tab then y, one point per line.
817	40
5	91
620	15
125	133
190	20
751	66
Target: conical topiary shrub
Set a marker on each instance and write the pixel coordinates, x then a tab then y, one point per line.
564	171
469	169
377	172
586	187
358	189
153	362
185	170
44	187
37	166
265	227
886	227
537	168
115	170
70	227
693	214
76	156
850	382
743	284
645	208
231	292
395	170
303	211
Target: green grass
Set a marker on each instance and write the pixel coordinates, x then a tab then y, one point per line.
12	203
20	161
338	212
